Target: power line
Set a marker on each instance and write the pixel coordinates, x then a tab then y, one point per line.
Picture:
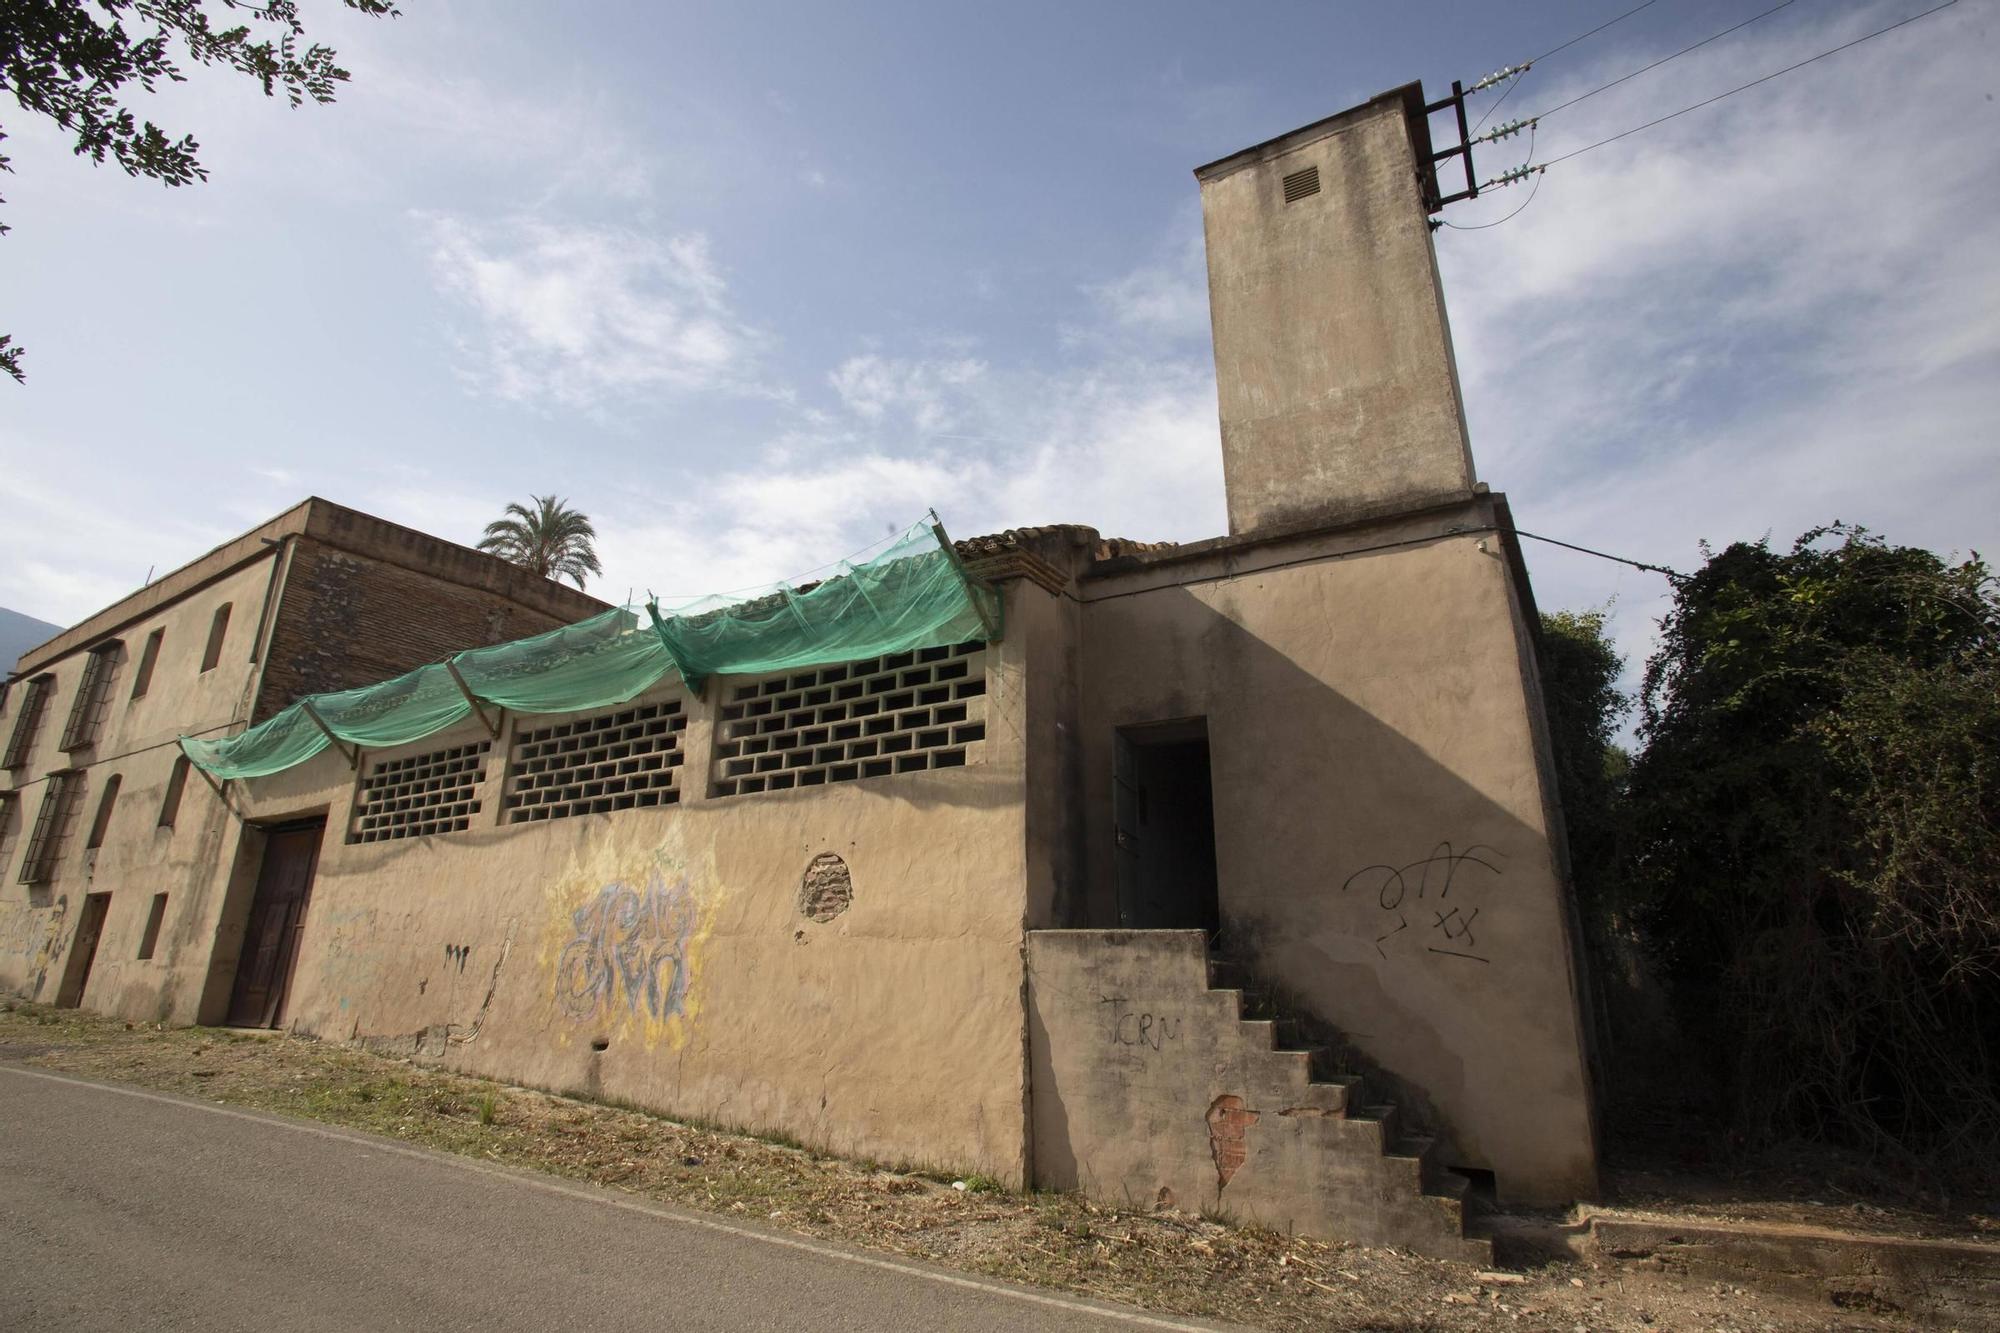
1664	59
1527	64
1674	574
1594	31
1482	226
1747	86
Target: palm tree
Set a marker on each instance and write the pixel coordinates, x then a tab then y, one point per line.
551	539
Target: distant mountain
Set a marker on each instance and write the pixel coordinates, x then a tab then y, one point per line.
19	633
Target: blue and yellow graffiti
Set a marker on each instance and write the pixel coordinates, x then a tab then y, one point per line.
629	945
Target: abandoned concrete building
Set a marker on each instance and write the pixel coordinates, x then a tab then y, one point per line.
1225	875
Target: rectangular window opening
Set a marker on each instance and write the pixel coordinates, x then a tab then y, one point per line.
8	819
29	720
218	630
170	804
106	803
52	825
93	696
154	915
142	679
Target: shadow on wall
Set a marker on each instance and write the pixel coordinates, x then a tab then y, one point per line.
1360	870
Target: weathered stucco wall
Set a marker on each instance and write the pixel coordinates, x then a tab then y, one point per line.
1333	360
1381	825
665	956
139	856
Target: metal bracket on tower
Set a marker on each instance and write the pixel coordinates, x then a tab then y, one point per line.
1463	150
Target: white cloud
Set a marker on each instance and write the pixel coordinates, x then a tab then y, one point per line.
67	553
1167	297
927	390
1129	447
580	315
1778	311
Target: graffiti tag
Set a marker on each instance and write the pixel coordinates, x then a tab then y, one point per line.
1137	1028
1398	890
628	945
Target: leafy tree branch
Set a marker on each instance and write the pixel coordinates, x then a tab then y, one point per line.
79	63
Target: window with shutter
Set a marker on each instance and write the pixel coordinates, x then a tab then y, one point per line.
93	696
29	720
52	825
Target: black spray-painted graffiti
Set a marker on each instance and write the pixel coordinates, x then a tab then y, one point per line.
629	943
1423	887
1131	1027
457	954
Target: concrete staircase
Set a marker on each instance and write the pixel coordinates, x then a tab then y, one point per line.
1413	1200
1163	1077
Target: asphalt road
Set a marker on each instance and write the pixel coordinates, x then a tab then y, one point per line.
130	1210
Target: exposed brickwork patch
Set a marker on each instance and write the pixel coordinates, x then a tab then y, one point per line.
345	620
1228	1119
827	888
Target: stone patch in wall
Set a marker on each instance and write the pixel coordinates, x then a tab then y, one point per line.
827	888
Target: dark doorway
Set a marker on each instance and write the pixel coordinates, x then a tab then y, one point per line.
83	950
277	916
1164	821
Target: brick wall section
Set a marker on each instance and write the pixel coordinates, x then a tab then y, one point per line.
347	619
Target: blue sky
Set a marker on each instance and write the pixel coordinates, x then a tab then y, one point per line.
753	283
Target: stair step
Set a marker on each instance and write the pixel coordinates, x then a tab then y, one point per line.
1258	1002
1323	1066
1447	1184
1437	1196
1328	1067
1412	1145
1383	1115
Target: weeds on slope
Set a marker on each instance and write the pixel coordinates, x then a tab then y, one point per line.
1167	1261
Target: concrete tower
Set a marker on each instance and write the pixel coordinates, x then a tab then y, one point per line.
1339	396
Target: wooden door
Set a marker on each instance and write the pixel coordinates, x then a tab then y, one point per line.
83	950
277	917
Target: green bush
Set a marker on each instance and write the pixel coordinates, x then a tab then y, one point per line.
1811	838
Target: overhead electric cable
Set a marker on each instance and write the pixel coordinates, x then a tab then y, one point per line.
1602	555
1525	65
1747	86
1482	226
1664	59
1594	31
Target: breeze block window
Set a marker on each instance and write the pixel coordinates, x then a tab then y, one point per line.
625	760
419	794
903	713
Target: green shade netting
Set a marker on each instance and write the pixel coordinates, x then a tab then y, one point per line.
285	738
914	594
603	660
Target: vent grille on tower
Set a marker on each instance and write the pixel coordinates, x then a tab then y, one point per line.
1301	184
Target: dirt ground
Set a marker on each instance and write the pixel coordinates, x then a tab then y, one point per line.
1166	1261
